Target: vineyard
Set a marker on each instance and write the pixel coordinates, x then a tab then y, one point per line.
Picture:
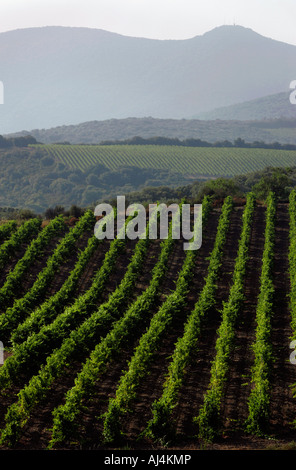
185	160
141	344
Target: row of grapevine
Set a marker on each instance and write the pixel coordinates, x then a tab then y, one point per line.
49	310
22	307
7	229
74	342
64	417
34	250
292	270
126	390
160	424
208	419
34	347
24	233
260	394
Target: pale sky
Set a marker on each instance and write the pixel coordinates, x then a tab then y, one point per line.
156	19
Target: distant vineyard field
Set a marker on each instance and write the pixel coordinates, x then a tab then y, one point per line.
185	160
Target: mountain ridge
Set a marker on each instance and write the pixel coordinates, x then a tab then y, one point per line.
275	106
58	75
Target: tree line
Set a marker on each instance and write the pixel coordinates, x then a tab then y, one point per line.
191	142
25	141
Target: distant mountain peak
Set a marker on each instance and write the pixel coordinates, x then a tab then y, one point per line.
232	32
56	76
223	30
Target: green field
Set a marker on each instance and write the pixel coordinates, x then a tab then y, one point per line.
193	161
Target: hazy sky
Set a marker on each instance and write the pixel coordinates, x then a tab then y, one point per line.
158	19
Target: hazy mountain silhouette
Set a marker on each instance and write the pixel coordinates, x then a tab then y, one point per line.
56	76
94	132
276	106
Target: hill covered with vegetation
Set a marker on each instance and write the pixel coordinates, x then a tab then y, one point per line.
94	132
269	107
37	177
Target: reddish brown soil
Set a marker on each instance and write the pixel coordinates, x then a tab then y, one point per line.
282	410
237	390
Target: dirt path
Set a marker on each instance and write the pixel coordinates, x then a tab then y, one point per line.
235	409
282	404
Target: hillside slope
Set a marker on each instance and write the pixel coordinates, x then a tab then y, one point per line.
44	176
269	107
94	132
